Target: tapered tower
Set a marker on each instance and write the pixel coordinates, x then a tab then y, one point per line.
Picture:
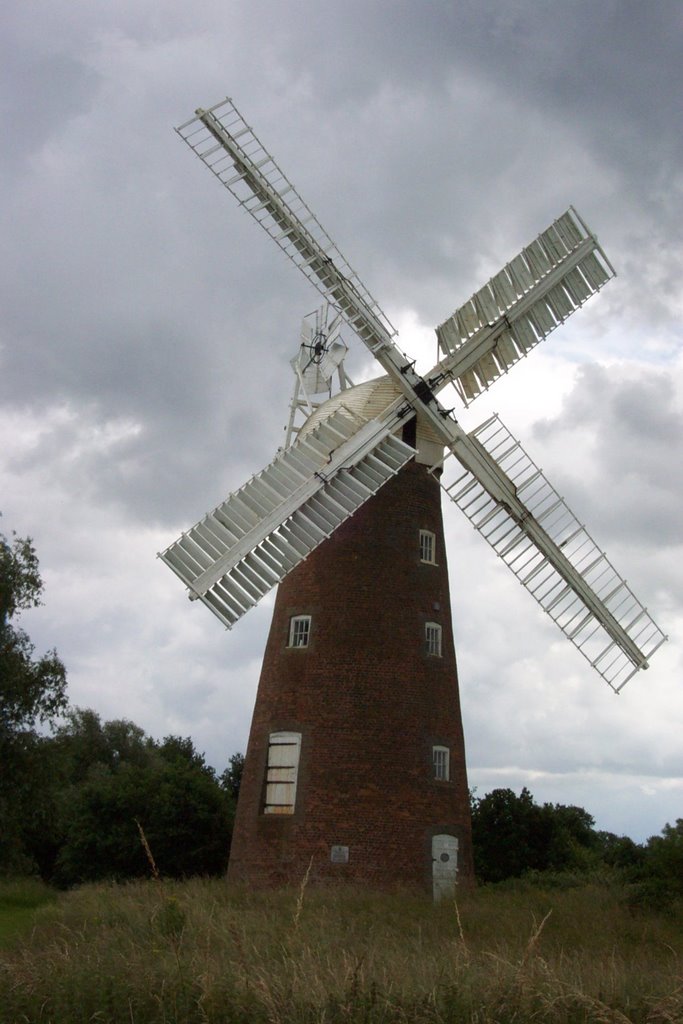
356	759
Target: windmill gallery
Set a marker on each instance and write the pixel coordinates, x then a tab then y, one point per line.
356	763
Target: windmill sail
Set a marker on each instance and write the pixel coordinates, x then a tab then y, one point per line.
315	374
552	276
554	557
223	141
245	546
519	307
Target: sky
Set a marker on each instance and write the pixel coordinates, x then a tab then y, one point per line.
146	328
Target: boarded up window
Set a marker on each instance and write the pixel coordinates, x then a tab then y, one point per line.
281	773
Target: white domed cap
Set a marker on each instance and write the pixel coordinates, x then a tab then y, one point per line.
366	401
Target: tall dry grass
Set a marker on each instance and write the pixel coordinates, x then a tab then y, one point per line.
203	952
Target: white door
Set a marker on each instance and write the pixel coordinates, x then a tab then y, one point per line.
444	865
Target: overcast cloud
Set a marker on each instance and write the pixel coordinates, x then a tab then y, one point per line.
146	327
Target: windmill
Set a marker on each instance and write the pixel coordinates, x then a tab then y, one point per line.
321	355
356	759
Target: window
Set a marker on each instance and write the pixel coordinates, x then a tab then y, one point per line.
427	547
281	773
441	762
299	630
433	638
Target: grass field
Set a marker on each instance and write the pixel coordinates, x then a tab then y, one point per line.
202	952
19	900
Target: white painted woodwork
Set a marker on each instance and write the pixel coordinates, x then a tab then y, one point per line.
441	763
320	358
370	400
223	140
247	544
284	749
444	866
581	591
532	295
528	298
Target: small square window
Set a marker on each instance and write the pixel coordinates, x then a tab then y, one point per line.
299	630
427	547
433	638
441	757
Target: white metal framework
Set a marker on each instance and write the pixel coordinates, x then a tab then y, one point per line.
284	749
245	546
320	357
230	149
519	307
552	584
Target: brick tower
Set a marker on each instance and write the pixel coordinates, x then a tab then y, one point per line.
356	757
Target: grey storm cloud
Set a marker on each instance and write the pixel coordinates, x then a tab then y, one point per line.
147	326
633	425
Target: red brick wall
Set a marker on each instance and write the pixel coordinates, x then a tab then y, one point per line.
369	703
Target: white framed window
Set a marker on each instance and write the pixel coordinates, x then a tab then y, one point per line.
427	547
281	773
299	630
441	762
433	638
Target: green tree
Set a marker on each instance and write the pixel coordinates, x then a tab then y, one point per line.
573	843
113	776
663	866
620	852
657	876
231	779
512	835
83	740
32	692
507	833
664	854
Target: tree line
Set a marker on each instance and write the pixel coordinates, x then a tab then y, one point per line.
70	800
514	837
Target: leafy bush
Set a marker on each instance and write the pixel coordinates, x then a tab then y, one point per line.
115	777
659	878
512	835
